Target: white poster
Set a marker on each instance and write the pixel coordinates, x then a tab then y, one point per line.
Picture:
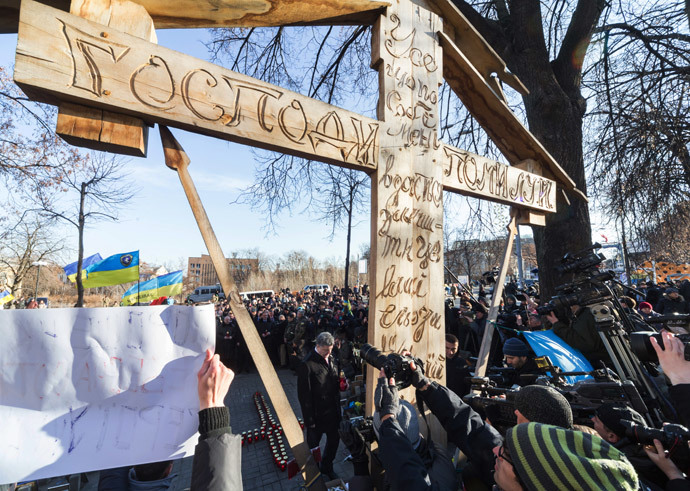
89	389
362	267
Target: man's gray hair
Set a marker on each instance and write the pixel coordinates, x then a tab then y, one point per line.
325	339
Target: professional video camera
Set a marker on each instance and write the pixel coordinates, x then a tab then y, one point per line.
394	365
509	319
642	347
498	404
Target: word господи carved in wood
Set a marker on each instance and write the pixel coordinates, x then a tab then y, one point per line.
84	61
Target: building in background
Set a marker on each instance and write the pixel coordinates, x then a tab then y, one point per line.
200	270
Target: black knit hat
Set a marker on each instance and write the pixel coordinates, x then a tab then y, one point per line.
552	458
542	404
515	347
611	414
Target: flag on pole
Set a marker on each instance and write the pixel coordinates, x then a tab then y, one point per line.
113	270
561	354
165	285
5	297
71	269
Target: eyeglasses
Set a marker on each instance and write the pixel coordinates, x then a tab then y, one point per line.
503	454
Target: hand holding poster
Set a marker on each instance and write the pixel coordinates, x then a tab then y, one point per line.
88	389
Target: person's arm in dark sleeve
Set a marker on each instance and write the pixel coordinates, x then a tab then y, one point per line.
217	461
465	427
113	479
304	394
404	468
680	398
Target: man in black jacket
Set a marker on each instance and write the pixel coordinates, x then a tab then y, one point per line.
581	333
318	392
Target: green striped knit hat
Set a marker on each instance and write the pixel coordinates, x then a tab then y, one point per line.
550	458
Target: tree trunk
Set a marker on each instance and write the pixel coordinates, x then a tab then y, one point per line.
80	258
346	294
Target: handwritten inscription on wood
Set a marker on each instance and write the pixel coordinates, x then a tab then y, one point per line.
406	311
61	56
468	173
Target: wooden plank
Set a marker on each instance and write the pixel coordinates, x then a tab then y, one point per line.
61	57
232	13
503	127
484	349
474	175
104	130
177	159
478	51
406	304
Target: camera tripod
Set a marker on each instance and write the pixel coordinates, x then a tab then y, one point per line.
626	364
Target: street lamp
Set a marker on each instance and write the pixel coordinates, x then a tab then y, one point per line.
38	275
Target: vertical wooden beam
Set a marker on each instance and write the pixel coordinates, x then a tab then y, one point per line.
96	128
483	357
177	159
406	309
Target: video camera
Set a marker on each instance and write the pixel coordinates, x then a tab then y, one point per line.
583	261
394	365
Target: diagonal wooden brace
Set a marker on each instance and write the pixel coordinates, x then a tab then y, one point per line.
96	128
177	159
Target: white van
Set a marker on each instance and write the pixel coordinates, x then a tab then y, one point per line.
257	294
205	294
317	288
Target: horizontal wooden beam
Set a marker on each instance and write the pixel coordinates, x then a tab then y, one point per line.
474	175
500	123
232	13
478	51
62	57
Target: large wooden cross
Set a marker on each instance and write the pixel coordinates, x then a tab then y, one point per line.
111	84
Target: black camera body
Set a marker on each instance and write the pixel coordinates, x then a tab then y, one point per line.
394	365
670	435
641	345
365	427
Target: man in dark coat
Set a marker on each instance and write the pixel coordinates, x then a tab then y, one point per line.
581	333
318	392
672	303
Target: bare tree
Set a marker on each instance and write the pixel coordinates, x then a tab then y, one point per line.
640	161
30	151
30	239
91	193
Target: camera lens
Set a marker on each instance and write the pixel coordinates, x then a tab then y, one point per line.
373	356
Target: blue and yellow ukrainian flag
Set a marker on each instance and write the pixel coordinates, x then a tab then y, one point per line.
165	285
71	269
5	297
113	270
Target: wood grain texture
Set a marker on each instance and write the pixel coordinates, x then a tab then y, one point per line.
177	159
168	14
474	175
478	51
500	123
406	303
104	130
61	57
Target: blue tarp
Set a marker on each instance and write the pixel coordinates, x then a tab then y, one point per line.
568	359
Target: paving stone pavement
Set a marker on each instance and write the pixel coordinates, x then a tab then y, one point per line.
258	469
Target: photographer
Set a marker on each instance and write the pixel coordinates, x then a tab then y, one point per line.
607	423
677	369
397	429
575	460
581	333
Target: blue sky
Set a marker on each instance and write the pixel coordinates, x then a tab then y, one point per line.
159	221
